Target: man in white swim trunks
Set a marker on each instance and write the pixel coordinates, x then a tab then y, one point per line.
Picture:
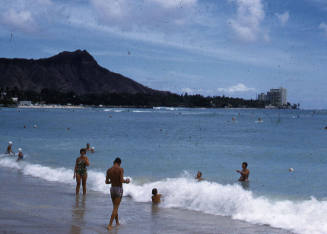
115	177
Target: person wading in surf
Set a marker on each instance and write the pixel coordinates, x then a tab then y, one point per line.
244	173
80	171
115	177
9	149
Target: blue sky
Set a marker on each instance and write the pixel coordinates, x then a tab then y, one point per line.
213	47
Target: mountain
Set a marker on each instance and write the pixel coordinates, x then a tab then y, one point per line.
65	72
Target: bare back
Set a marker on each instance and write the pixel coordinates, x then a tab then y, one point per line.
116	176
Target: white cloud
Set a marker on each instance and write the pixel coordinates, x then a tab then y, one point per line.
187	90
246	24
174	3
323	27
154	15
22	20
236	89
283	18
25	16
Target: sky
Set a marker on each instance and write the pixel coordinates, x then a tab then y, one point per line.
236	48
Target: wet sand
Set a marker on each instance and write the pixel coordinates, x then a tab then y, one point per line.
31	205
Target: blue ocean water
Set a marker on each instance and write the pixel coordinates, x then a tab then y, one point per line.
165	147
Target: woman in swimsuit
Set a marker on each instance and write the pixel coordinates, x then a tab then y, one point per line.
80	171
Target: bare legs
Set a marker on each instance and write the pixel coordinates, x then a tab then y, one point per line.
84	183
114	215
78	183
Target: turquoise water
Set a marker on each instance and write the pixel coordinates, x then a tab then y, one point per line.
174	143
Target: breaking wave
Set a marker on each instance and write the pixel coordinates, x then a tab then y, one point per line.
306	216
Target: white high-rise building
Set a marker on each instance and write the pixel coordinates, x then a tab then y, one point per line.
275	97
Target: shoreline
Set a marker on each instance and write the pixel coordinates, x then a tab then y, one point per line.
54	106
32	205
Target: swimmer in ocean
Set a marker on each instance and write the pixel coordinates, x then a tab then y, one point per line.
92	149
88	147
245	173
115	177
80	171
155	196
9	149
20	154
199	176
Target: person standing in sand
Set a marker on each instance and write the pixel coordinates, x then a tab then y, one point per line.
245	173
115	177
80	171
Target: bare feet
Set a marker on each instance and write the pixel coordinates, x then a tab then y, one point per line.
109	227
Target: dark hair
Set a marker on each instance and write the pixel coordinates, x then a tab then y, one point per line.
154	191
82	150
245	163
117	160
199	172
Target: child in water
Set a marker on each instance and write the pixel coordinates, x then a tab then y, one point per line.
20	154
155	196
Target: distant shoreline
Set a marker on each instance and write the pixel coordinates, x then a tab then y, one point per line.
136	107
51	107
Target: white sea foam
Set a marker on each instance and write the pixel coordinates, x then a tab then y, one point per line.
113	110
141	111
307	216
165	108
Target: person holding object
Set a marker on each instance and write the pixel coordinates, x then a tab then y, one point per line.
115	177
244	173
80	171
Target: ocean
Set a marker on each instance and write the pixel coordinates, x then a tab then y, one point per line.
164	148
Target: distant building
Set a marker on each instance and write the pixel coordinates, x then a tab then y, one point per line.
25	103
262	97
275	97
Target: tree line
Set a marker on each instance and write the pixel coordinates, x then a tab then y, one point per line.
49	96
